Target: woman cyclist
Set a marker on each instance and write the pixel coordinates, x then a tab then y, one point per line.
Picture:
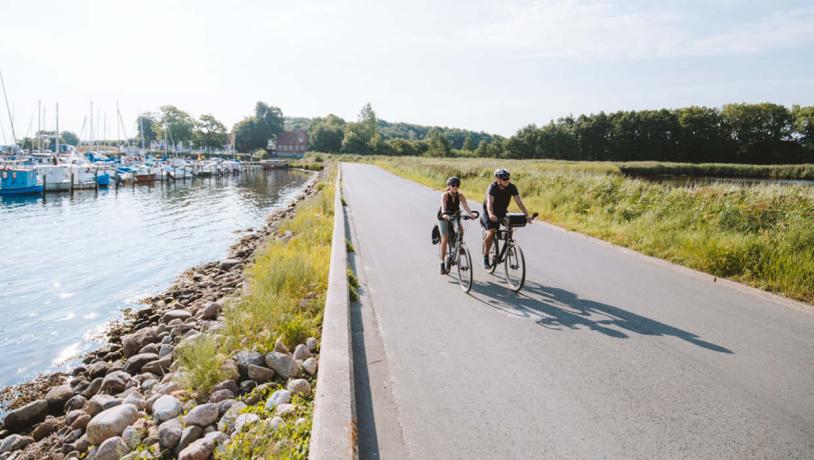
451	201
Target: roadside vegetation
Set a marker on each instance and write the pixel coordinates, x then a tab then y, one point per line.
762	235
282	303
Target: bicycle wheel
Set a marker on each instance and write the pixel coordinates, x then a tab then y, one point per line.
464	268
515	266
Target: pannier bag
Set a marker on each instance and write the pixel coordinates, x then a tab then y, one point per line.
436	234
517	219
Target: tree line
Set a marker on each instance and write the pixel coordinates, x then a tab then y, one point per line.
763	133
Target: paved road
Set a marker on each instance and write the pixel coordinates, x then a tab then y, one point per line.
603	355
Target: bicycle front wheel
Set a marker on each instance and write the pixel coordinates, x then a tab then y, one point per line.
515	266
494	255
464	268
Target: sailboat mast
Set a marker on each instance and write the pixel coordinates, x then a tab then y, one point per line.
56	138
39	125
8	109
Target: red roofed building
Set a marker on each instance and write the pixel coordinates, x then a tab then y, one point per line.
291	144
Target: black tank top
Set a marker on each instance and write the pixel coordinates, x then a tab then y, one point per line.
452	203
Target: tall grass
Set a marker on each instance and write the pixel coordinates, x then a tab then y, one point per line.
761	235
287	281
656	168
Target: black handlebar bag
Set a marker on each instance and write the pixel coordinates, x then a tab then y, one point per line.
436	234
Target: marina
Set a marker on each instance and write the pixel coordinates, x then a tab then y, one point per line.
73	261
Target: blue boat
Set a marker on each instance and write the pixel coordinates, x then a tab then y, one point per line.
19	182
103	180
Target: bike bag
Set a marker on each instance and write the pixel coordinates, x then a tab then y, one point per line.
436	234
517	219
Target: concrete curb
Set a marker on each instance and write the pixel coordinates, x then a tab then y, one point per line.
333	435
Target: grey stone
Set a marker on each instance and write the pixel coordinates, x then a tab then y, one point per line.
175	314
14	442
200	449
169	433
81	422
77	402
227	422
149	348
230	370
311	343
57	397
111	422
100	403
112	449
281	363
310	366
299	386
72	415
277	398
134	363
221	395
26	416
210	311
285	409
280	347
93	387
202	415
301	352
148	384
275	422
132	343
227	385
158	366
115	382
260	374
165	350
98	369
131	437
244	358
165	408
243	421
44	429
226	264
190	434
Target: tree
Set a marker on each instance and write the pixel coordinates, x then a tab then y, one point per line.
146	128
256	131
269	119
760	130
483	149
175	125
468	144
326	134
209	133
804	128
438	144
359	136
70	138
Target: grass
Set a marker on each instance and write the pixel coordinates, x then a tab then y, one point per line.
655	168
762	235
287	284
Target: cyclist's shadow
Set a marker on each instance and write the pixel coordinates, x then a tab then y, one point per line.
560	309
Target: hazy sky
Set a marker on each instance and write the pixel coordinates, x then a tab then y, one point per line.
483	65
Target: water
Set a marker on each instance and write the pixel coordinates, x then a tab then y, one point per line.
697	181
71	263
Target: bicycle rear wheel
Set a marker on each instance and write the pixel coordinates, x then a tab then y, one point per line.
464	268
515	266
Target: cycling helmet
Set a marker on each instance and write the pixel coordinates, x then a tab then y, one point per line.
454	182
502	173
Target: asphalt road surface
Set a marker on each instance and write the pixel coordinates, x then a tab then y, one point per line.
604	354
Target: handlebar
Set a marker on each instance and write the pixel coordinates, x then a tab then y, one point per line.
458	215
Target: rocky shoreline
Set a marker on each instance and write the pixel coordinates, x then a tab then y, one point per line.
124	400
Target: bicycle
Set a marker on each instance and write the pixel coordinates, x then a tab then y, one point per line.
510	255
458	255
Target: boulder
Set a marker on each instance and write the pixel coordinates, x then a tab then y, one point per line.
200	449
75	403
45	428
131	437
260	374
98	369
111	422
301	352
227	264
26	416
115	382
227	422
57	397
169	433
134	363
221	395
202	415
243	421
165	408
112	449
100	403
175	314
311	343
244	358
14	442
158	366
93	387
210	311
310	366
81	422
277	398
227	385
132	343
72	415
283	364
299	386
190	434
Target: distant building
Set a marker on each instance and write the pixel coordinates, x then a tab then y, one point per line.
291	144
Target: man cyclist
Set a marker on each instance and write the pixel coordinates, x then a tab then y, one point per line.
495	206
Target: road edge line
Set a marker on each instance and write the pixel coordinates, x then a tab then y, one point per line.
333	434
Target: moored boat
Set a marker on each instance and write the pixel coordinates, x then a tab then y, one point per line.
19	182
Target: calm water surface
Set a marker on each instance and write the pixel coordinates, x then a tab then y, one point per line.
71	263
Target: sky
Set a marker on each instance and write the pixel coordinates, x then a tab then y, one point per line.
494	66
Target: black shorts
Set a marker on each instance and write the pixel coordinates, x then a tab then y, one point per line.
486	223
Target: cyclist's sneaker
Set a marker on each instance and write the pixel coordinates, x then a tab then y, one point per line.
486	262
444	270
